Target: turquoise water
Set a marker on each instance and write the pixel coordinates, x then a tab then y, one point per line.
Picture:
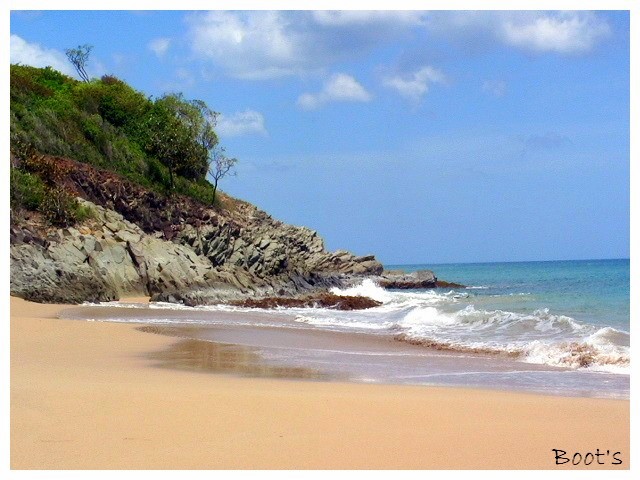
590	291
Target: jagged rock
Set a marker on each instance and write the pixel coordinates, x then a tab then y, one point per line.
155	245
323	300
401	280
37	277
443	284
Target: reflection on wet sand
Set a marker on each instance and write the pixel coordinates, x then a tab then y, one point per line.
200	355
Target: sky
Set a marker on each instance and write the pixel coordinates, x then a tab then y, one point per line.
420	137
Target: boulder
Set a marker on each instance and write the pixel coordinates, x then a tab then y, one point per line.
401	280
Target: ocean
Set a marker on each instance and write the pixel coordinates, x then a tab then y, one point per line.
556	327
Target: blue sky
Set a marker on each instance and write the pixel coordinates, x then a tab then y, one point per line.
421	137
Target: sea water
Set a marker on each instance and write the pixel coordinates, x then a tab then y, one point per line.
574	313
558	327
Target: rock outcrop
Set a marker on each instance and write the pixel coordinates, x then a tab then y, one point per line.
400	280
420	279
321	300
220	260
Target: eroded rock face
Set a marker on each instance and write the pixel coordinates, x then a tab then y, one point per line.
39	278
104	261
243	236
218	261
172	248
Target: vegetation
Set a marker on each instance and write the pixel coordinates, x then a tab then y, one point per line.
165	144
34	187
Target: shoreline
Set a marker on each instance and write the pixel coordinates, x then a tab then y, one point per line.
268	342
80	389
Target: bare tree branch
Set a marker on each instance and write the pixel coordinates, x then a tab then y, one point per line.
79	58
220	166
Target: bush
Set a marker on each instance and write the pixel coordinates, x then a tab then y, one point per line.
83	212
158	174
201	190
27	191
60	208
47	168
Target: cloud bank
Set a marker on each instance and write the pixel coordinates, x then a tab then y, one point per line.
34	55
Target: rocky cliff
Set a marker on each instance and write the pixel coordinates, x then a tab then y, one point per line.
138	242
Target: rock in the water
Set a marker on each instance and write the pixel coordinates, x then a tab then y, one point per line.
322	300
401	280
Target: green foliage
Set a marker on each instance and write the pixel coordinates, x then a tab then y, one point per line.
163	144
115	101
82	212
158	174
30	192
180	134
201	190
27	190
60	208
30	84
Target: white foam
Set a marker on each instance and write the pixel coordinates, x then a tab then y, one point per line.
434	317
602	358
342	323
368	288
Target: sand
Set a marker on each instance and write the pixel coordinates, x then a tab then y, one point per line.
87	395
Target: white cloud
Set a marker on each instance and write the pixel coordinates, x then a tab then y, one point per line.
241	123
497	88
251	46
260	45
339	88
558	32
159	46
564	32
415	85
367	17
269	44
36	56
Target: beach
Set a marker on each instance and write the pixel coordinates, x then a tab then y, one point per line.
89	395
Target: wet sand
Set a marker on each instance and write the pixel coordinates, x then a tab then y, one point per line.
90	395
272	343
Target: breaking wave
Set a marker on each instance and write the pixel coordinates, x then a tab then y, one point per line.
437	320
451	321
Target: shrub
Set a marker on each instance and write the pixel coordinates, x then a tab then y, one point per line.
47	168
83	212
27	191
158	173
201	190
60	208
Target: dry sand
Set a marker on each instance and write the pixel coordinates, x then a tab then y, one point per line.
85	395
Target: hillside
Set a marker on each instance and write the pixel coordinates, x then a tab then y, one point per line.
109	198
163	144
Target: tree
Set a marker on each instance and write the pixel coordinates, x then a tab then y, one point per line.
195	123
171	142
219	167
79	58
196	116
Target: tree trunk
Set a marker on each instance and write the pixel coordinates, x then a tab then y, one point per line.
171	180
215	189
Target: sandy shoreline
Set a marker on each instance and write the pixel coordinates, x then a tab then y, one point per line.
86	395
